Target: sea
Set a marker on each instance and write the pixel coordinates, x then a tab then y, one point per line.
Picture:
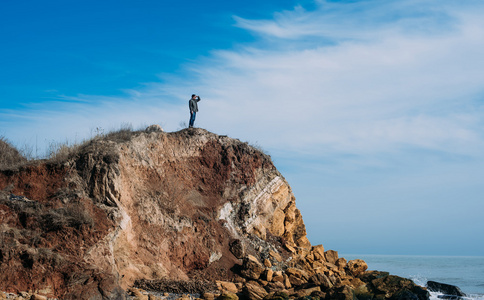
466	272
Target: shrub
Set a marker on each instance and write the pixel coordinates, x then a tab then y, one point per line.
74	216
10	157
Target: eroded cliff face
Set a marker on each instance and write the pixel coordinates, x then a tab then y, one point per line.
157	205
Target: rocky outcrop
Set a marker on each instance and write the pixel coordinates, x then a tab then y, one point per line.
446	289
147	207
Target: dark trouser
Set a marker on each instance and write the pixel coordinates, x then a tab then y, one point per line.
192	118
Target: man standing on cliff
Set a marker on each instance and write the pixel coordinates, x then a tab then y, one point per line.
193	105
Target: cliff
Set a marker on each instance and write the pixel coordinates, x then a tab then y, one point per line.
146	206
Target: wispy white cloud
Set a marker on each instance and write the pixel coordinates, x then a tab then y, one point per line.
364	77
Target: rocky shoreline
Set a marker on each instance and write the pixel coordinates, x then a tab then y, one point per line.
189	212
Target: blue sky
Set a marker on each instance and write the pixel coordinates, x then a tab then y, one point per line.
372	110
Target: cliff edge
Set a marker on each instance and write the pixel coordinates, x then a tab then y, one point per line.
183	206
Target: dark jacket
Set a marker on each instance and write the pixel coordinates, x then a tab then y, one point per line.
192	104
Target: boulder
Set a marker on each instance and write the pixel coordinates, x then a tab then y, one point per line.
331	256
297	276
267	263
404	295
391	285
226	286
275	256
318	252
252	268
287	282
369	276
321	280
341	263
307	291
356	267
318	295
278	277
237	248
343	293
298	273
274	287
295	281
253	291
269	274
444	288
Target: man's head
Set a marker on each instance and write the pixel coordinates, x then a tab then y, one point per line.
194	96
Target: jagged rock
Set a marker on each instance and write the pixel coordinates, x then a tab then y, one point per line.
237	248
136	293
278	277
290	248
444	288
310	258
318	252
343	293
369	276
275	256
321	280
356	282
226	286
390	285
287	282
296	276
331	256
341	263
357	267
274	286
307	291
362	292
269	274
318	295
267	263
251	267
253	291
298	273
295	281
404	295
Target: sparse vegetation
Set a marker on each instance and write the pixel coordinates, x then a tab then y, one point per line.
59	152
10	157
258	147
73	216
123	134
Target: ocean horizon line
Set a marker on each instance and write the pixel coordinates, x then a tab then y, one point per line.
411	255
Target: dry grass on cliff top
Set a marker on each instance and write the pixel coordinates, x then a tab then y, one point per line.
10	157
57	152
